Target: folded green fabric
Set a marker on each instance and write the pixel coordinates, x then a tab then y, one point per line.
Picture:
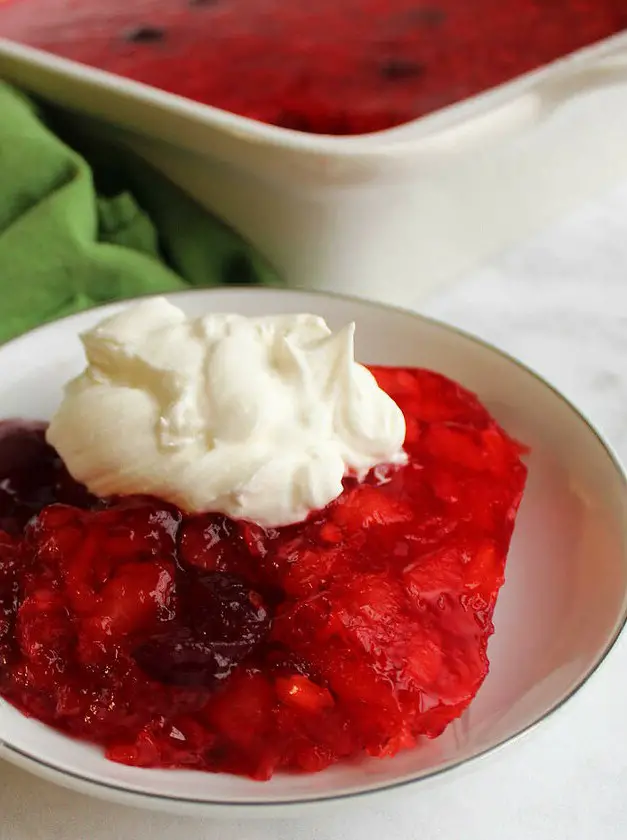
82	223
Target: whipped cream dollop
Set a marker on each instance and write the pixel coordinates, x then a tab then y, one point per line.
257	418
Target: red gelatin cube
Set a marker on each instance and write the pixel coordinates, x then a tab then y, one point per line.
366	506
209	542
303	694
45	630
435	573
132	600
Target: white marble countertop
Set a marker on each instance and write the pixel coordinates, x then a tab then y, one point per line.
560	304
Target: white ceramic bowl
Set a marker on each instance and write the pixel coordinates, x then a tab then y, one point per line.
558	615
387	215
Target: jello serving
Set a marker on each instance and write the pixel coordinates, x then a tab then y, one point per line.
330	67
208	642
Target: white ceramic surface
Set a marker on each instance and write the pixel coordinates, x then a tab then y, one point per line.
389	215
560	610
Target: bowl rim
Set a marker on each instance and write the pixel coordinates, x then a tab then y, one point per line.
110	790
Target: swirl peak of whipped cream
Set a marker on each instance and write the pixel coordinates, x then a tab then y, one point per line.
257	418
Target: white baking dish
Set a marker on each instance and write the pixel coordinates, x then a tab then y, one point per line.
388	215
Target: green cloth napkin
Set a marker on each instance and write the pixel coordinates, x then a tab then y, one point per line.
82	223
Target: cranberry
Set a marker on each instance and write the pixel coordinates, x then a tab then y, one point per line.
31	475
181	657
223	608
224	621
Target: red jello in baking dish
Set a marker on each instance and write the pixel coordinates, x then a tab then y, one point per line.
209	643
329	67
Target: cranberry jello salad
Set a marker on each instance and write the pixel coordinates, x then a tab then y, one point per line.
236	549
339	67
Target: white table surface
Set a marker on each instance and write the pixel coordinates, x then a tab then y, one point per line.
560	304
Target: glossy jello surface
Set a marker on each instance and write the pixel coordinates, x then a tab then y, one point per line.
208	643
330	67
